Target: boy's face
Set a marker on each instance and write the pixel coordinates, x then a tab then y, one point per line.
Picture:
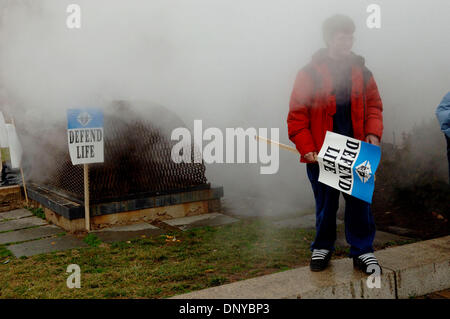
341	44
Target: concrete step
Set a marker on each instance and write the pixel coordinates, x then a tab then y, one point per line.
127	232
212	219
29	234
21	223
420	268
47	245
408	270
15	214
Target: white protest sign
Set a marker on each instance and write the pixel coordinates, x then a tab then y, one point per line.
349	165
15	148
3	132
85	135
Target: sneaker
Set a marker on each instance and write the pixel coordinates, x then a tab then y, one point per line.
320	259
363	262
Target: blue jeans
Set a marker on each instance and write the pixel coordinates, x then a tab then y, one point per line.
359	222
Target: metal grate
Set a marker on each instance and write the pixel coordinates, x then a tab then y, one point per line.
137	163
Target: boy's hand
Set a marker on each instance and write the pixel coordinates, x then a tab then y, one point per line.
311	156
373	139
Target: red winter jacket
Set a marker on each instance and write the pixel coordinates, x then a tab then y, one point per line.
313	104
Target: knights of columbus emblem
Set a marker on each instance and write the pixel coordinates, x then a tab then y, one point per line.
364	171
84	118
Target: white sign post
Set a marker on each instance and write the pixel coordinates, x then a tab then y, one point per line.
349	165
86	144
3	138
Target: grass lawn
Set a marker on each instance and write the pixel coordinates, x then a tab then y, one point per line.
160	267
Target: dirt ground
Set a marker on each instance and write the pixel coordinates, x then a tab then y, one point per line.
444	294
411	198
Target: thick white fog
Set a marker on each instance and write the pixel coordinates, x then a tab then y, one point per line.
229	63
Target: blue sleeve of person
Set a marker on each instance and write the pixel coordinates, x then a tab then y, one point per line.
443	114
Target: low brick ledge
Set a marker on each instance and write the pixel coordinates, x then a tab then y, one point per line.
72	210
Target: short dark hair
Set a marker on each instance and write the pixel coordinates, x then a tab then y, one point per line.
335	24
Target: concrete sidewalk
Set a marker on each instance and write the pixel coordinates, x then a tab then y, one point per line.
408	271
27	235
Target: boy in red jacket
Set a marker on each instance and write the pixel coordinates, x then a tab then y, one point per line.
336	92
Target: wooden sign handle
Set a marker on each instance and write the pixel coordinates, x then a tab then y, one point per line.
24	185
280	145
86	197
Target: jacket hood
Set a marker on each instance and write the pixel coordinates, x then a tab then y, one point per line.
322	54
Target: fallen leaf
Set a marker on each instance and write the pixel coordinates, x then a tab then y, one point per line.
53	243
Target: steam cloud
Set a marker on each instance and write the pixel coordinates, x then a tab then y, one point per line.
229	63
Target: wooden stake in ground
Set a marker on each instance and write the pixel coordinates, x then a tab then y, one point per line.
24	186
86	198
